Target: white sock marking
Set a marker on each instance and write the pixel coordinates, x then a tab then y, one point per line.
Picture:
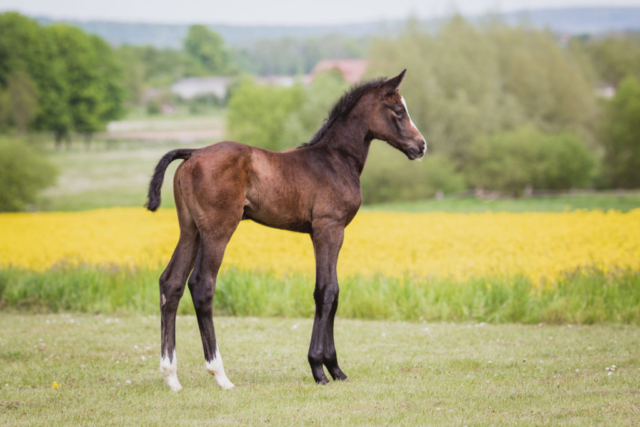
216	369
169	369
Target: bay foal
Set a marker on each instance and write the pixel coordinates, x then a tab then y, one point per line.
314	189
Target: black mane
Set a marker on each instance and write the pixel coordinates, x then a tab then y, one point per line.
343	106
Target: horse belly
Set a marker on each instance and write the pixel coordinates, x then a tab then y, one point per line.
277	210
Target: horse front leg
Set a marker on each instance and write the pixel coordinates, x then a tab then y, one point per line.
327	241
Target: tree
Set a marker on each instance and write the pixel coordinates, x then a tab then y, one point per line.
23	172
24	101
257	115
468	80
621	136
615	58
511	161
206	50
92	77
303	123
110	76
25	48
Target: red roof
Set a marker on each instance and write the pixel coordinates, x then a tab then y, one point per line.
351	69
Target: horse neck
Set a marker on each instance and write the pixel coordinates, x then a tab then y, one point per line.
349	140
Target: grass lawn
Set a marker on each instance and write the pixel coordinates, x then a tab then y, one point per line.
401	373
104	177
118	175
603	201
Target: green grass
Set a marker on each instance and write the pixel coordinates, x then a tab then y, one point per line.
581	298
107	176
598	201
117	174
400	373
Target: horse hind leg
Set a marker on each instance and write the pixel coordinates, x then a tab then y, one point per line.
202	285
172	284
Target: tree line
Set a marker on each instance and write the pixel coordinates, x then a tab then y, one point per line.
56	79
503	108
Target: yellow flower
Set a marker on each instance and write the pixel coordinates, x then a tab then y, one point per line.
541	246
55	385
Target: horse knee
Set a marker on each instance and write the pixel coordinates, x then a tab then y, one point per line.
326	296
170	292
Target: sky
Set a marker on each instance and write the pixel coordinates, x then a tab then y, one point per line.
277	12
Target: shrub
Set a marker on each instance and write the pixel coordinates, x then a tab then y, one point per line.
23	172
389	176
621	136
510	161
258	115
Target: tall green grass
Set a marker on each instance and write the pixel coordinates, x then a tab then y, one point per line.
582	297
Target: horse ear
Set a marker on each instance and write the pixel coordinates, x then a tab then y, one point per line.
391	85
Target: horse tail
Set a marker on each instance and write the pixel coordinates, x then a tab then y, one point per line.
153	197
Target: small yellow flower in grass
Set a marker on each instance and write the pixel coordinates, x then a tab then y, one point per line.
55	385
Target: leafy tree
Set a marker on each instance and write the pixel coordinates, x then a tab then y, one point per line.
615	58
511	161
206	50
23	172
23	100
467	80
621	136
110	77
303	123
92	77
388	176
25	48
257	115
147	66
133	73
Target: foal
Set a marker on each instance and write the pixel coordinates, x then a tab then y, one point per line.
314	189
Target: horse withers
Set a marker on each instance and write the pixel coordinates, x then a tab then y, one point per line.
313	189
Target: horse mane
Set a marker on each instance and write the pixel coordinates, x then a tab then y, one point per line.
343	106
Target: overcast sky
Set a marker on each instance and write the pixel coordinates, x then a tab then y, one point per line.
274	12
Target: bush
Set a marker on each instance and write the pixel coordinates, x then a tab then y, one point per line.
510	161
389	176
258	115
23	172
621	136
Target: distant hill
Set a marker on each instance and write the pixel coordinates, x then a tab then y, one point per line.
583	20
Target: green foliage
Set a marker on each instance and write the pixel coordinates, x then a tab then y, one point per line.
26	49
621	136
401	373
23	172
389	176
258	114
206	51
58	78
589	296
95	95
23	100
615	58
319	97
467	80
510	161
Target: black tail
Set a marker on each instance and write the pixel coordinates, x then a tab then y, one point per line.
153	197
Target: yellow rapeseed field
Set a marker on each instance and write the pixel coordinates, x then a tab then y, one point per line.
541	246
